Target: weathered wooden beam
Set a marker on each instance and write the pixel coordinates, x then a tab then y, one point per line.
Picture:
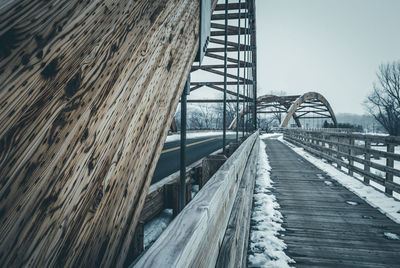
194	238
233	250
88	90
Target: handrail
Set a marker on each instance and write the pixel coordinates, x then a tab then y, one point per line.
194	236
359	136
336	146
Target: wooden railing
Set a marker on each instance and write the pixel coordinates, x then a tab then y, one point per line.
346	130
357	153
214	226
164	194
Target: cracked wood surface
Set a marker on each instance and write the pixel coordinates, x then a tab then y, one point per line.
88	90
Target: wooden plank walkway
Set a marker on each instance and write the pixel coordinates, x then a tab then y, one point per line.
324	228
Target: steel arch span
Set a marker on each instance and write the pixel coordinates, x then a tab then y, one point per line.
306	104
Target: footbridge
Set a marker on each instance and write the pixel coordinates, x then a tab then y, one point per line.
88	93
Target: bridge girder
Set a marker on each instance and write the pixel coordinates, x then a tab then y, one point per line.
295	106
313	101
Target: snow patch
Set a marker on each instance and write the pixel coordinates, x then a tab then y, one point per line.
154	228
368	217
391	236
389	206
329	183
265	248
195	190
352	203
270	136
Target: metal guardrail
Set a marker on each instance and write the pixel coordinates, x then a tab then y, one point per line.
355	152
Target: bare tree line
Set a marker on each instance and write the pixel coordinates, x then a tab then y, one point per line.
207	116
383	103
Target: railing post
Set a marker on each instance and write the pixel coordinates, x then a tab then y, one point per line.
367	157
337	155
351	162
389	163
330	147
182	182
322	143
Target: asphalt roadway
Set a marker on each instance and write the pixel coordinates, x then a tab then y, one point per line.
196	148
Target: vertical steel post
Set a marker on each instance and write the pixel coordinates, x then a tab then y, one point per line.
225	73
247	73
238	75
182	181
254	59
244	74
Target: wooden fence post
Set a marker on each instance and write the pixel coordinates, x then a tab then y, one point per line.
210	165
330	147
172	198
188	192
367	157
351	162
389	163
338	156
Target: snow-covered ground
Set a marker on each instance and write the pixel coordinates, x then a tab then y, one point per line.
381	161
266	249
189	135
378	160
154	228
387	205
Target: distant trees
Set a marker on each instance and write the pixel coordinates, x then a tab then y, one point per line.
207	116
267	123
354	127
384	101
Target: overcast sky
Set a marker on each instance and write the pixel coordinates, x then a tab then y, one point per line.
330	46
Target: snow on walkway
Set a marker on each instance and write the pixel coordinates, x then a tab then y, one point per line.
265	248
389	206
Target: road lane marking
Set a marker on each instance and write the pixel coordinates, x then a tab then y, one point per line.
188	145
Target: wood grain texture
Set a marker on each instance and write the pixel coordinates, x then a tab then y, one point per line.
233	250
87	94
194	237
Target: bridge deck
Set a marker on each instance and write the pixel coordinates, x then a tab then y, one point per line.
324	228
